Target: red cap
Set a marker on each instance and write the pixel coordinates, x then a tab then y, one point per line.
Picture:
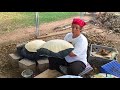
79	22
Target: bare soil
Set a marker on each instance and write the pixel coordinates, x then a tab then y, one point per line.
9	41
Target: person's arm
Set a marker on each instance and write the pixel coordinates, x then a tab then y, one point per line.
66	38
79	47
75	51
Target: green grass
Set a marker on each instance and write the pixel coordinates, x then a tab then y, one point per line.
54	16
10	21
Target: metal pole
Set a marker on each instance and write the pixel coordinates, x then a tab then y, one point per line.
37	24
81	14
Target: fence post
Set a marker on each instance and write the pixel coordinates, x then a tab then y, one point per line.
37	24
81	14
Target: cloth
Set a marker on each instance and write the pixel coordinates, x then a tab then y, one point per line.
80	44
79	22
69	76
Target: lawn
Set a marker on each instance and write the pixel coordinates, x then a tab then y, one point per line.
10	21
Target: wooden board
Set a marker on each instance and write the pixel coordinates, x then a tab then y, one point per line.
55	33
88	27
49	74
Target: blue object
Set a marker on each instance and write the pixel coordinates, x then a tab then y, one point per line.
112	67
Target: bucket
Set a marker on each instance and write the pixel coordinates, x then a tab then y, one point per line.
27	73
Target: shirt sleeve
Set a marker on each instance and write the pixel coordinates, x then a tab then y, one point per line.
80	48
66	37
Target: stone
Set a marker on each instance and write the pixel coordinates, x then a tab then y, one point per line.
27	64
14	56
43	64
14	60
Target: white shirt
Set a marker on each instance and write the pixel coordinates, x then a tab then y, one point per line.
80	44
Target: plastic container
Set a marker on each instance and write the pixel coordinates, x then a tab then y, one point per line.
99	61
112	67
27	73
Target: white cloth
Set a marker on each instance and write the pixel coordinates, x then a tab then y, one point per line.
69	76
80	44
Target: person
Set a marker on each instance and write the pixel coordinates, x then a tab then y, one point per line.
76	61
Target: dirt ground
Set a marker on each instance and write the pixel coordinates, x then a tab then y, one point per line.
8	42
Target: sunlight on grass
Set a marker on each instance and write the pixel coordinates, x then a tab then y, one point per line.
10	21
10	15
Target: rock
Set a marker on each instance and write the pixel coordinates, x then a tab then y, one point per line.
109	21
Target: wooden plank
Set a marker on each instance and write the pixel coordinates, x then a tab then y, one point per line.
61	32
56	33
49	74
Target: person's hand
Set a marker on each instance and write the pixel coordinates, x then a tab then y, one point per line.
71	54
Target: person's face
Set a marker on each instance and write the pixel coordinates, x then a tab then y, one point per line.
76	29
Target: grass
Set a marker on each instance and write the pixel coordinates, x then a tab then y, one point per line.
10	21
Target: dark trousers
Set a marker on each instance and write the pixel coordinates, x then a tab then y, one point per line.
73	68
